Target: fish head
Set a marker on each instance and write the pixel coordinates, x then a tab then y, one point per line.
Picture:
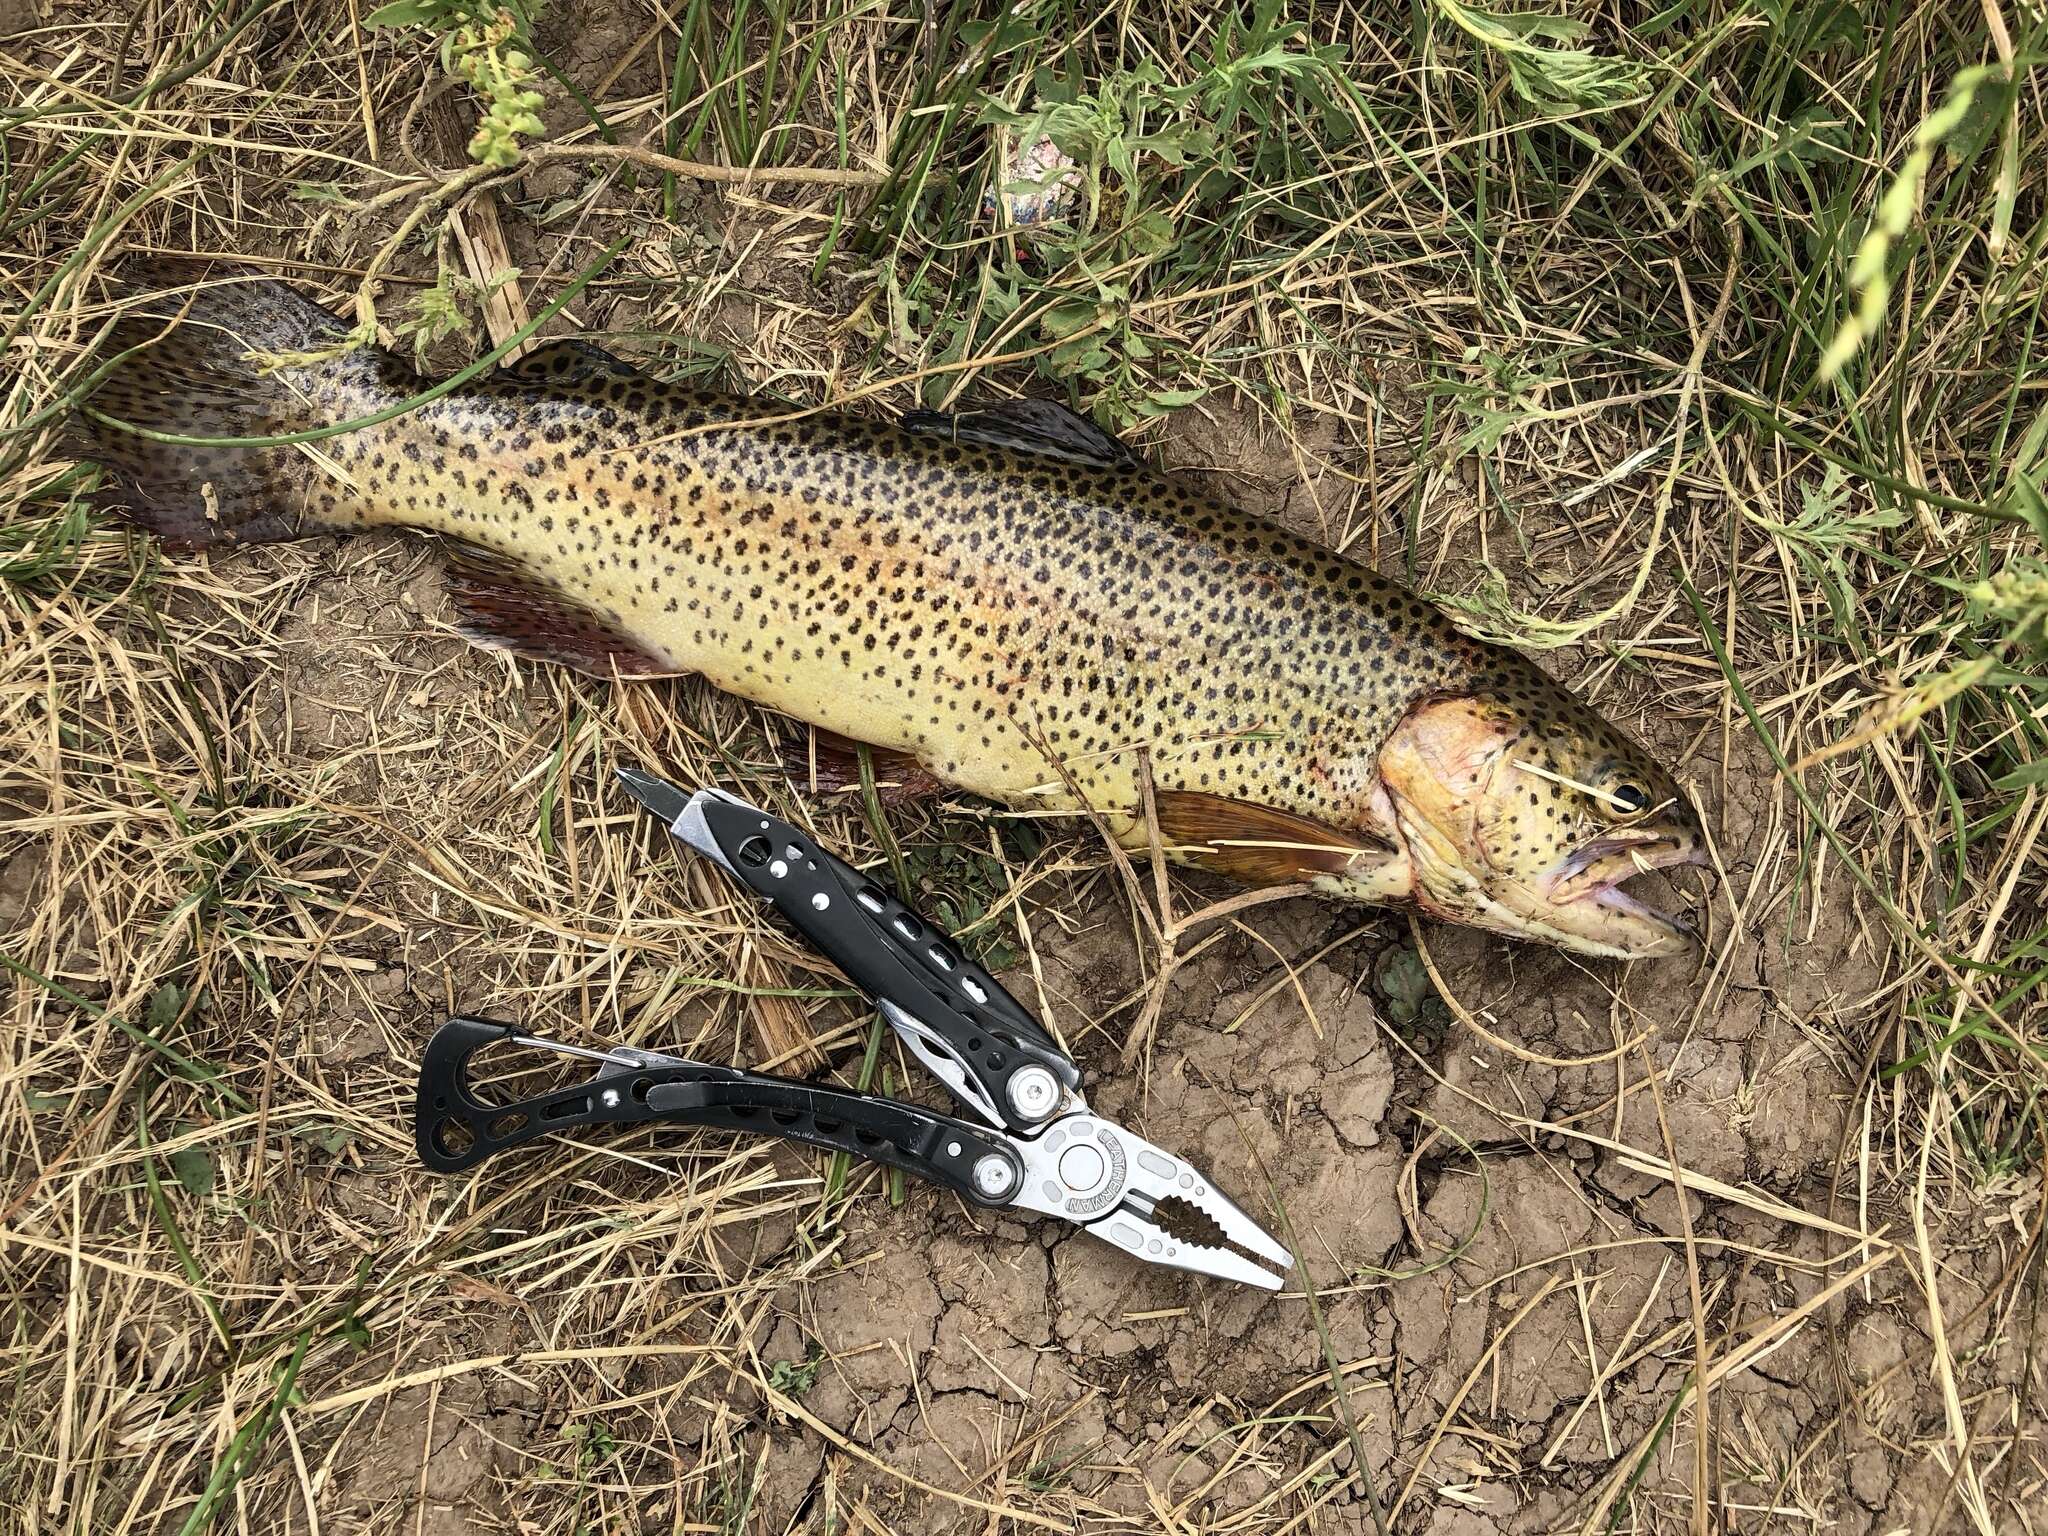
1524	812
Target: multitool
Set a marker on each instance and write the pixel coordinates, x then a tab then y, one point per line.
1034	1144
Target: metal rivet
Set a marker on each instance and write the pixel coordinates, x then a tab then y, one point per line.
1082	1168
993	1176
1034	1093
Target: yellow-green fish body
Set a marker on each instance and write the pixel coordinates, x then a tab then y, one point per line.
1005	598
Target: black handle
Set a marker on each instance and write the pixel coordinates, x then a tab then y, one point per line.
888	950
455	1130
919	1141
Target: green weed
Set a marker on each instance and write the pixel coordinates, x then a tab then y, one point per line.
1212	164
1548	69
960	882
1834	544
795	1378
486	46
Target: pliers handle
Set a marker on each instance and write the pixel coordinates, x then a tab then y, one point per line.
455	1129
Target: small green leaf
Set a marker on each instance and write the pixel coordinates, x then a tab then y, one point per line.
193	1167
1160	401
1149	234
1403	983
285	1376
1084	354
403	13
328	1138
1067	317
165	1004
2023	776
792	1378
2028	501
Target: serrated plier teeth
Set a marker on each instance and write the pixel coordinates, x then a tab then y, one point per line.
1114	1183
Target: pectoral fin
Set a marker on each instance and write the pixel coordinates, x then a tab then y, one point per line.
1259	845
501	605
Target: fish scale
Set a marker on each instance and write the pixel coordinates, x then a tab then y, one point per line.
1006	601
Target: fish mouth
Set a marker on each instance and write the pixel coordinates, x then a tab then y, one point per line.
1591	880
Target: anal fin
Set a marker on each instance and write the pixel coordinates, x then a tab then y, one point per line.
899	777
503	606
1257	844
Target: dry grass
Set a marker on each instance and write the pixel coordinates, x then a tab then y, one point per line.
1752	1247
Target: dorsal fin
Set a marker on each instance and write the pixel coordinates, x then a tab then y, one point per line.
1028	426
568	361
1257	844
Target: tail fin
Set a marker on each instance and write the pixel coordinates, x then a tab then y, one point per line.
191	374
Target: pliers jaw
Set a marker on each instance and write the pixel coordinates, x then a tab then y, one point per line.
1087	1169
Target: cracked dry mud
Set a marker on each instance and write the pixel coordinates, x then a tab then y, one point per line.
933	1356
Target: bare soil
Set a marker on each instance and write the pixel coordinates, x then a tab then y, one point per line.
1529	1211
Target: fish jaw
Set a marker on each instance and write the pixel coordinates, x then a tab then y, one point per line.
1613	924
1584	891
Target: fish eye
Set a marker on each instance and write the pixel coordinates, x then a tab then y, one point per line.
1628	798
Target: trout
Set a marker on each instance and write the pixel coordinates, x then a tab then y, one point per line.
1003	601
